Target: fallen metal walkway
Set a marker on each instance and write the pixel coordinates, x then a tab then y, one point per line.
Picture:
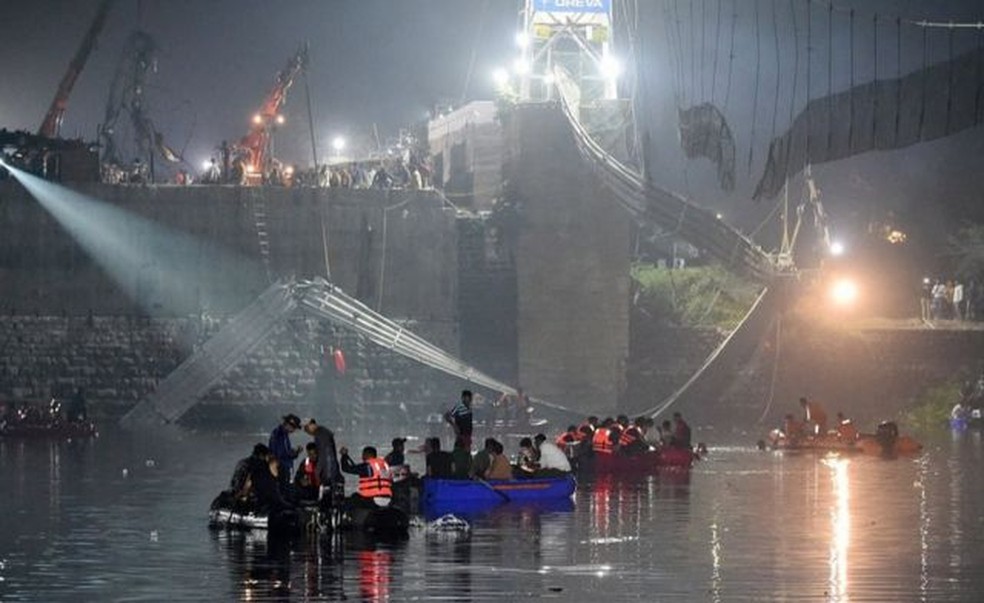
669	210
183	388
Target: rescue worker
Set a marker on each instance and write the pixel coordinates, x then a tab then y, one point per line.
632	439
814	415
568	439
375	481
324	439
601	442
281	447
306	481
460	417
587	428
846	431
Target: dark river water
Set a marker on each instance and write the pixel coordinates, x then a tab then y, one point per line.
123	518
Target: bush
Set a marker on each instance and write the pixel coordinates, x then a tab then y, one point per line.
932	407
701	296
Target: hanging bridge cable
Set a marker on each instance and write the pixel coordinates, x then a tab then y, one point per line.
755	96
673	50
874	95
925	64
775	35
679	37
731	51
979	78
850	122
717	50
898	78
693	52
830	77
809	71
796	61
949	82
775	371
703	46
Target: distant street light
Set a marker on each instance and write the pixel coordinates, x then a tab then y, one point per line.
610	67
522	40
338	144
280	120
836	248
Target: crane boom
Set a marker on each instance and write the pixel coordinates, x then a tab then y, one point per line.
256	142
51	125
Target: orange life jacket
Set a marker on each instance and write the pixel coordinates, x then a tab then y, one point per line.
566	438
310	470
629	435
380	483
601	442
580	433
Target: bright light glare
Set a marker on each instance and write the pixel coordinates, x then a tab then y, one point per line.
257	119
610	67
207	164
281	120
521	66
844	292
500	76
338	143
549	79
836	248
157	267
522	40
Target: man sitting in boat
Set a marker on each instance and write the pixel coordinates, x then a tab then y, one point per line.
666	434
551	460
306	482
482	460
440	464
846	432
814	415
375	481
266	487
499	467
239	495
526	465
460	460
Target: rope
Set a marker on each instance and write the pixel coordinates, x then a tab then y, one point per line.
830	77
850	123
809	71
874	95
898	78
775	372
758	69
796	61
717	50
775	104
731	51
703	45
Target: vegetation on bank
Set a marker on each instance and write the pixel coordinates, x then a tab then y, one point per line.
931	411
707	296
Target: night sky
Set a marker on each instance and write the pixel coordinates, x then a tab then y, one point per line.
372	61
389	61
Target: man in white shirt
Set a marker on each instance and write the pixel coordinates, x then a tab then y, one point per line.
958	297
552	459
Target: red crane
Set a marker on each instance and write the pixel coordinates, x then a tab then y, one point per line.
255	145
53	118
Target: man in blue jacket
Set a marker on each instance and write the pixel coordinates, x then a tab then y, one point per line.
282	450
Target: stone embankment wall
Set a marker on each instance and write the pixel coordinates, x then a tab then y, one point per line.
119	360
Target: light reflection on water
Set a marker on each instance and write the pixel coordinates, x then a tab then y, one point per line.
743	525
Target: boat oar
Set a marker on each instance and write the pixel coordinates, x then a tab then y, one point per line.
501	494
